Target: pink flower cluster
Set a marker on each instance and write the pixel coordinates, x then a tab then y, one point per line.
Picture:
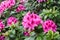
31	20
49	25
41	1
26	34
1	25
20	8
10	3
11	20
2	37
6	4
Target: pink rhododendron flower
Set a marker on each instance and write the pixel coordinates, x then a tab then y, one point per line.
6	4
41	1
49	25
31	20
12	2
11	20
26	34
2	6
20	8
1	25
2	37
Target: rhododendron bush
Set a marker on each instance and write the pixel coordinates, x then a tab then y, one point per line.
29	19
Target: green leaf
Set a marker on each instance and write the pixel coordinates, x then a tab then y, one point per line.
50	34
13	31
56	35
38	38
30	38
